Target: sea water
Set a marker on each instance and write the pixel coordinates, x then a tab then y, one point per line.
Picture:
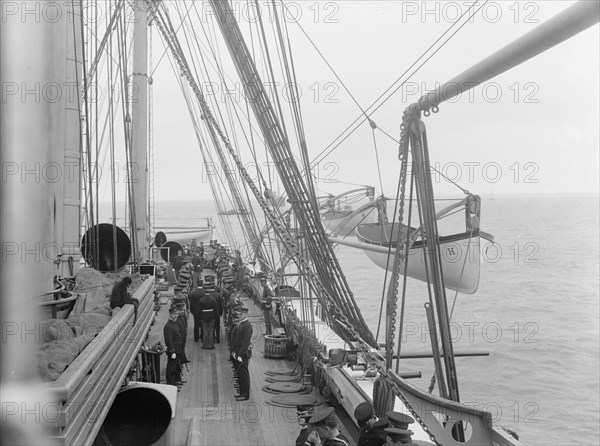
536	312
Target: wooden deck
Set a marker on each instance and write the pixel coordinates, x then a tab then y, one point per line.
207	412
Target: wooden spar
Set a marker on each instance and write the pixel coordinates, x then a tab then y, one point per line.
420	156
424	355
139	131
561	27
436	351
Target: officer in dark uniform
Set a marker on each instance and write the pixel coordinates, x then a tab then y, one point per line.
182	322
208	311
174	344
368	435
216	295
267	304
326	433
195	297
241	353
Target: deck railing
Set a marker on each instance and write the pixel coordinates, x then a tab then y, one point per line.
86	390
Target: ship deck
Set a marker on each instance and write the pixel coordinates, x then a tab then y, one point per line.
206	410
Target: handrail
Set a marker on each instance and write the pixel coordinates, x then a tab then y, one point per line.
64	386
85	391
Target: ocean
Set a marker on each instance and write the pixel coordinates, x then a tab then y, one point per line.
536	312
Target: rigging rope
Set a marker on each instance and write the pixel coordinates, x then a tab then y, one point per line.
329	149
251	227
282	231
373	127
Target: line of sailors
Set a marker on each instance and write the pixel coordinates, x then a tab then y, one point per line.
175	330
207	303
319	427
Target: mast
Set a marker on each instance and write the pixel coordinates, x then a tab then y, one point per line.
139	131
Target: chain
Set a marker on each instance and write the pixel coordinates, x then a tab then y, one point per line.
378	360
392	298
409	407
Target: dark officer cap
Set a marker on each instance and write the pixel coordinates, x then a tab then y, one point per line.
363	412
399	420
398	434
381	424
172	310
321	414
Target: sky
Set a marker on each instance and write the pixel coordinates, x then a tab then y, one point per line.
533	129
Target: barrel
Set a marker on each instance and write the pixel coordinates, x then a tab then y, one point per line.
276	346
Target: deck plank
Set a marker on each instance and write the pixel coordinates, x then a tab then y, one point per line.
206	403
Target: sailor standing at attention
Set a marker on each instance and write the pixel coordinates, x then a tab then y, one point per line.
216	295
267	304
242	353
208	311
195	297
182	322
174	343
